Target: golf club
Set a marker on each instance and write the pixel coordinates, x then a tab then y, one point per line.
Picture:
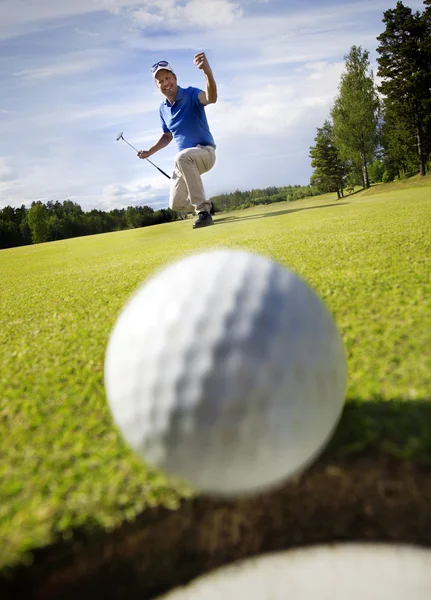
120	137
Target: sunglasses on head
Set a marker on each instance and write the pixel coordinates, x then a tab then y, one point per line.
161	63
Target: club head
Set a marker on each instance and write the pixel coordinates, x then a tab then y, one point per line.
119	136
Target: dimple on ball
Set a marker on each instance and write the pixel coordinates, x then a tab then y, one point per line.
227	371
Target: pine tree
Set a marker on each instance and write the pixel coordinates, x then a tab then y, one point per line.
404	66
329	172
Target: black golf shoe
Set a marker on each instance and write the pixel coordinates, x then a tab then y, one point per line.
204	219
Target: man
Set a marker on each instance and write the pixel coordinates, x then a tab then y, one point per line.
183	118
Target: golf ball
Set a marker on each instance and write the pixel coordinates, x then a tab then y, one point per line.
227	371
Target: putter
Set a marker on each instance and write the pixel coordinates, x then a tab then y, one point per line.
121	137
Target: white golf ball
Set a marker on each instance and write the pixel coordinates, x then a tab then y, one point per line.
227	371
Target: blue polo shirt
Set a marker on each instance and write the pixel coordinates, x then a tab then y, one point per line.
186	119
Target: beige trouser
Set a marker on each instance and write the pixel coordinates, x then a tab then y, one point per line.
187	190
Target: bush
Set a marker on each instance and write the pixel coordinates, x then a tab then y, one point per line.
375	171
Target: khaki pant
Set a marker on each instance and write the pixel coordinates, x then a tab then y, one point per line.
187	190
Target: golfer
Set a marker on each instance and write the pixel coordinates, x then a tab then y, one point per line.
183	118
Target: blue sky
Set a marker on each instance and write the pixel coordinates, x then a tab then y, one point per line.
74	73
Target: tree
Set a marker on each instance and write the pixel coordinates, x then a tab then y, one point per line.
398	141
132	217
9	234
404	66
37	218
329	171
426	17
24	229
376	170
356	113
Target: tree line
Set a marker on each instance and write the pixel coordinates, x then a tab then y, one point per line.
377	133
245	199
60	220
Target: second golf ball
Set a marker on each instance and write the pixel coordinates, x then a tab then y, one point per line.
226	370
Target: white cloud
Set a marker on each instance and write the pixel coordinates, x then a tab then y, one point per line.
151	191
7	173
11	184
212	13
20	16
114	111
278	107
92	34
256	43
172	14
269	128
59	69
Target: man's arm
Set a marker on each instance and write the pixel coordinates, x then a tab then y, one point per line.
210	95
165	139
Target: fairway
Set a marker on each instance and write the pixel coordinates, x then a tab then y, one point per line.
63	465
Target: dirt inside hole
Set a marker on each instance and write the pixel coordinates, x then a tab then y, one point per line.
366	499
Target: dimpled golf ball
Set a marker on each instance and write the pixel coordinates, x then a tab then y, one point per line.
226	370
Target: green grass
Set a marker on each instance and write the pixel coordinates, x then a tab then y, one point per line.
407	183
64	466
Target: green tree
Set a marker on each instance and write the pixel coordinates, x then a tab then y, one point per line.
37	218
132	217
24	229
356	113
398	141
405	69
376	170
9	234
329	171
